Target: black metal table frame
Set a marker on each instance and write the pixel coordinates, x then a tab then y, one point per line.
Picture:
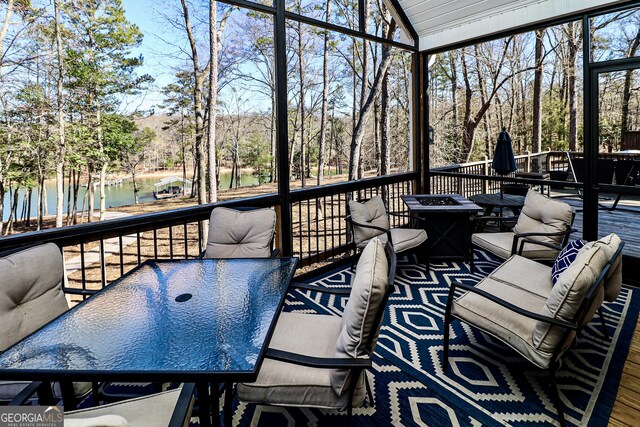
207	402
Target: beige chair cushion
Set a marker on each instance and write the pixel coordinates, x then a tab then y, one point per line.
568	293
372	212
403	239
500	244
522	282
240	234
287	384
147	411
545	215
613	279
30	291
367	293
101	421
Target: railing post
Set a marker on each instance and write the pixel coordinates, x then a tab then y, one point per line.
548	161
527	161
485	171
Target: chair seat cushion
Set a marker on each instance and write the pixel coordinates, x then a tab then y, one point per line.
148	411
10	389
500	244
287	384
403	239
513	282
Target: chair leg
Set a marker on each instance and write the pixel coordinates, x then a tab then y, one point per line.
369	391
555	394
605	332
445	352
471	263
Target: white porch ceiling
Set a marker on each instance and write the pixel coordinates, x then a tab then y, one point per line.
440	23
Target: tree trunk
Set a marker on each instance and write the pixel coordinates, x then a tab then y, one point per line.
358	135
303	172
135	185
325	100
385	153
274	141
197	108
626	94
90	197
41	197
536	145
213	96
572	33
61	125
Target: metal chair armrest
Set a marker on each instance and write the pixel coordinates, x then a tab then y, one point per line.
315	288
373	227
518	236
43	388
519	310
180	414
536	242
75	291
318	362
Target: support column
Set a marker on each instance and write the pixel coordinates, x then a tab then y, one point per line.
424	140
282	131
590	138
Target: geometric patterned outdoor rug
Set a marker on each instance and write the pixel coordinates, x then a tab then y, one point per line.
488	383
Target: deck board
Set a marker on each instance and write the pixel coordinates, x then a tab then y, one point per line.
626	409
624	222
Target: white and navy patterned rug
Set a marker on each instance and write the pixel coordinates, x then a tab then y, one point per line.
488	383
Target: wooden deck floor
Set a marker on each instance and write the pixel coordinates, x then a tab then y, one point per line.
626	410
624	221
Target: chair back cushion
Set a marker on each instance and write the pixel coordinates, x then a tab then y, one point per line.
568	294
30	291
613	279
240	234
372	212
566	256
541	214
367	295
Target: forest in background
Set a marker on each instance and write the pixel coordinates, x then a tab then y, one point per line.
531	84
72	97
73	91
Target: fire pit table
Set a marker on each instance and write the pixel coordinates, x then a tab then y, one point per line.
447	220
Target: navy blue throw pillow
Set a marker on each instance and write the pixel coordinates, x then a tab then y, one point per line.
566	256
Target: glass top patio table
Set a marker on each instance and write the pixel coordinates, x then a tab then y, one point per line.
188	320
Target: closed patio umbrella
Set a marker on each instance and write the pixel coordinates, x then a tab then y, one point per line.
504	161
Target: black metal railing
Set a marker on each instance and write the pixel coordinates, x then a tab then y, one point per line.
98	253
319	228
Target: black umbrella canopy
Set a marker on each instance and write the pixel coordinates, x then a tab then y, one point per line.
503	160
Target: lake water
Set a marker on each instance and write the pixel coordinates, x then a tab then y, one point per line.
117	195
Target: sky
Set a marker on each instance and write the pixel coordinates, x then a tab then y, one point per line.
145	14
